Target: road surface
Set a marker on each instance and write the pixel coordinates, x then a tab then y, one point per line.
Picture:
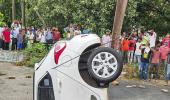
21	87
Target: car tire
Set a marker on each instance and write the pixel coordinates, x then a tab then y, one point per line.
105	64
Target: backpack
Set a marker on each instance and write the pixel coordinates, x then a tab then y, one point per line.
145	55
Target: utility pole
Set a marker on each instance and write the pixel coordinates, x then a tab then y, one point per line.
13	10
118	22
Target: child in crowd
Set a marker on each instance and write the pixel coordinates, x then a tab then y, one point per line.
154	63
20	40
106	39
132	43
145	62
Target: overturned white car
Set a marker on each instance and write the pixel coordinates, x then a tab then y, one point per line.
76	69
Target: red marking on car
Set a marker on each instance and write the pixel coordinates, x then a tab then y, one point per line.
58	51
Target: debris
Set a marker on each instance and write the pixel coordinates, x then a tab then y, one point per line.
134	86
11	77
28	77
141	86
164	90
131	86
1	74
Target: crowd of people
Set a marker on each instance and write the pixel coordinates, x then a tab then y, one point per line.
149	55
141	49
17	38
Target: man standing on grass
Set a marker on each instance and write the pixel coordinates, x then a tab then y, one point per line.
164	50
14	33
145	62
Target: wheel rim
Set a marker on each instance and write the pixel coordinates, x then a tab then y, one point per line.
104	64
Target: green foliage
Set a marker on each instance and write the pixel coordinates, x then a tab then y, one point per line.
1	19
34	54
96	15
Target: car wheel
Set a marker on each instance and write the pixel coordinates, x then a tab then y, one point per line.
105	64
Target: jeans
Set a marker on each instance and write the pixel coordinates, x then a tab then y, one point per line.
144	70
137	59
125	57
167	72
130	56
154	70
14	43
1	43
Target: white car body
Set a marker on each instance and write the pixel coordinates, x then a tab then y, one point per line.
66	79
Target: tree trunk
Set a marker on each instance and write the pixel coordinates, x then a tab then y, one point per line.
118	21
23	12
41	18
13	10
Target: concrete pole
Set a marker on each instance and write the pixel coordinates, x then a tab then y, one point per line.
118	21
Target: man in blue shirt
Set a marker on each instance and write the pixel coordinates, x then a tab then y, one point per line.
14	33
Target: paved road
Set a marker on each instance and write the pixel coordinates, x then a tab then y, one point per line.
150	92
21	87
15	89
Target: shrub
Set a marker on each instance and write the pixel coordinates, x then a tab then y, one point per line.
34	54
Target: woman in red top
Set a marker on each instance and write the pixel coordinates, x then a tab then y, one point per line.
56	34
6	38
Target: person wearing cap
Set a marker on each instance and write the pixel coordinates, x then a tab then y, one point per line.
106	39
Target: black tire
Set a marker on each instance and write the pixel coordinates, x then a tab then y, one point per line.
111	52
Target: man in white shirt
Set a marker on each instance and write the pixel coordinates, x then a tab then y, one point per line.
138	53
14	33
152	38
106	39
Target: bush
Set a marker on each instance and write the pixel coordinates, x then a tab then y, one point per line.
34	54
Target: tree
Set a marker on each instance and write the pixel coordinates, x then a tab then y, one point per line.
13	10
